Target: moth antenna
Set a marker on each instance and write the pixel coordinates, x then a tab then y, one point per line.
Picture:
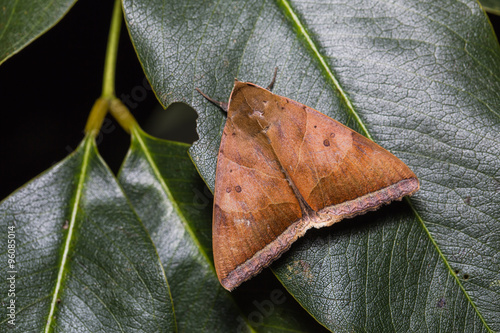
271	85
222	105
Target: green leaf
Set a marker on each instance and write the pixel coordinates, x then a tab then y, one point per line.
167	193
491	6
83	260
422	80
175	206
22	21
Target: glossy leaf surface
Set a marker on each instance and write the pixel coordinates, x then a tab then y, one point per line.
419	78
172	200
22	21
83	260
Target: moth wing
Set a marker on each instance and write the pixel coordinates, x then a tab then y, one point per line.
253	206
331	164
279	159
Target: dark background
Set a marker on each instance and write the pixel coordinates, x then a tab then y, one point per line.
48	88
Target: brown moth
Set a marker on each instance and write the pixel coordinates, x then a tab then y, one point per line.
284	168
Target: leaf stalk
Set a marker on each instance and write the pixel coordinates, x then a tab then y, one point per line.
108	84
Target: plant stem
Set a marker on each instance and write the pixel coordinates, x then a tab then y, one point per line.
108	84
122	115
102	104
108	101
96	116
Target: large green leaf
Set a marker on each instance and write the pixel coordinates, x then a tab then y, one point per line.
421	78
22	21
170	197
83	261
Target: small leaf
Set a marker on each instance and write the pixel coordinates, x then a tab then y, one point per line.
83	261
491	6
22	21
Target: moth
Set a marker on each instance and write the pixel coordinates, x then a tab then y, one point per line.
284	168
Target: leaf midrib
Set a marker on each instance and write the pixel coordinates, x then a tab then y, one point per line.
71	227
302	30
323	63
147	153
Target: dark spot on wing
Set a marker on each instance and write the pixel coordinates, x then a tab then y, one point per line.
326	143
237	188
